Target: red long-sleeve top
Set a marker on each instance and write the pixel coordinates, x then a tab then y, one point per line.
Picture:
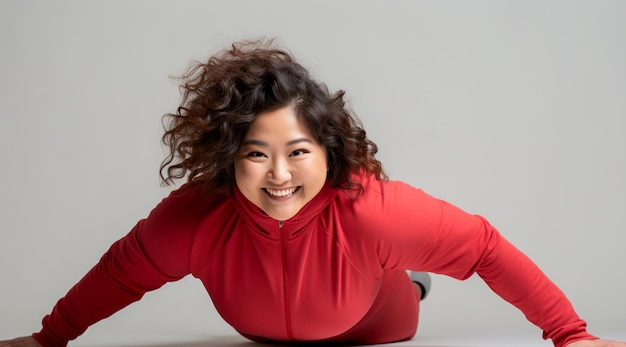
318	276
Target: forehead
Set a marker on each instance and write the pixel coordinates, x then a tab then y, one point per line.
282	122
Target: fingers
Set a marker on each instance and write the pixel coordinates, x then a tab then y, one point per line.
25	341
597	343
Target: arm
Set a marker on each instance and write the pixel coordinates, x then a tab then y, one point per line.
154	252
427	234
122	276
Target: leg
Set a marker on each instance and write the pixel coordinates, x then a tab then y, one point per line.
393	315
423	281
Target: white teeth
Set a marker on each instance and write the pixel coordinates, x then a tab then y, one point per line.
280	192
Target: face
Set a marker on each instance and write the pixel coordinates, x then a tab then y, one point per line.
280	167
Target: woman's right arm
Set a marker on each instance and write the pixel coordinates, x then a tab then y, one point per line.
123	275
154	252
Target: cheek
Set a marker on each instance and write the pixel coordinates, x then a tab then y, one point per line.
323	165
242	174
318	172
247	174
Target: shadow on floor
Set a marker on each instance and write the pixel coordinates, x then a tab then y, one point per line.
235	341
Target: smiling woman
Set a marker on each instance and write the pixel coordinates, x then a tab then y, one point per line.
292	226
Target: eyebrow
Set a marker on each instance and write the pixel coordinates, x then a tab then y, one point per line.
265	144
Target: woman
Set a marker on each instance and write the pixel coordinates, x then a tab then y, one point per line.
292	225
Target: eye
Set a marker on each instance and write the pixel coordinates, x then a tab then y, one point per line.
255	154
298	152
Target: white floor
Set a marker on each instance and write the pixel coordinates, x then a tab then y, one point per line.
422	341
419	341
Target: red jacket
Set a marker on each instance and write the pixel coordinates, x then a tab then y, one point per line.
335	271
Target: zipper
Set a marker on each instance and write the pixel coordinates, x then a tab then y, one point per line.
286	281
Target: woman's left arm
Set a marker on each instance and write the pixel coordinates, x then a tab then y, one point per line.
596	343
423	233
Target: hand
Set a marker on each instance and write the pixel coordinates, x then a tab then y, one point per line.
595	343
26	341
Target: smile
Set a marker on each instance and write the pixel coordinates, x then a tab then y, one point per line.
281	192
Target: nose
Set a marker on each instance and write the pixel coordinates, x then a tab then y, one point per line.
279	171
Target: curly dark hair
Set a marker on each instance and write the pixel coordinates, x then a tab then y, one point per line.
221	98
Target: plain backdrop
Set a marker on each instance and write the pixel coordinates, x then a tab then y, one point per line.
515	110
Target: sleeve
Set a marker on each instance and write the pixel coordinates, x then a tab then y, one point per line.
154	252
423	233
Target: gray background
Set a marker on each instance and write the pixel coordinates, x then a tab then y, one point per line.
512	110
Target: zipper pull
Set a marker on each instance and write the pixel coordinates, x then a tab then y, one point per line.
281	223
